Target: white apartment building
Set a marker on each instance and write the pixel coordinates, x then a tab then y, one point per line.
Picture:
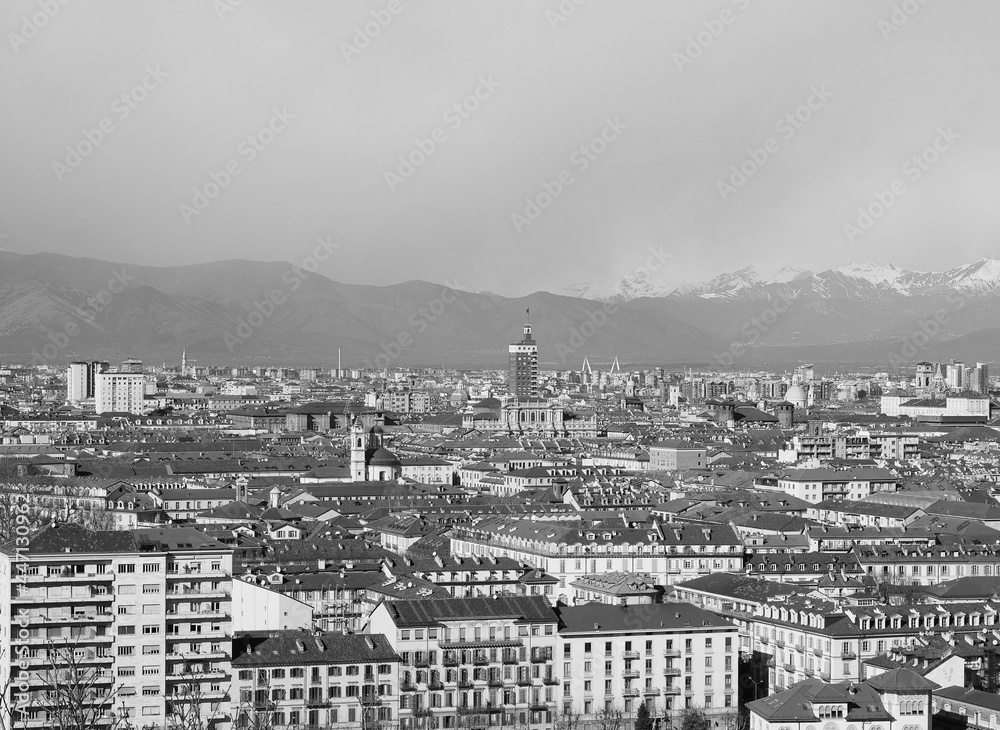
473	662
668	656
119	392
77	382
147	611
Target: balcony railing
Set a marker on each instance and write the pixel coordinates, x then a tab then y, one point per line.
672	671
631	655
671	653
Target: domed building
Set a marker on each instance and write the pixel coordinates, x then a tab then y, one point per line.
797	397
370	460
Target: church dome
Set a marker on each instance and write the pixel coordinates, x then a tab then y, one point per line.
384	457
796	396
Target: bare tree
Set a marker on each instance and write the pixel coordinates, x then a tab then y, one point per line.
77	695
187	705
256	707
568	720
610	719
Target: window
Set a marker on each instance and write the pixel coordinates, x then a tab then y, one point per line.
151	629
151	649
150	567
150	588
126	671
150	608
125	589
126	567
125	630
126	650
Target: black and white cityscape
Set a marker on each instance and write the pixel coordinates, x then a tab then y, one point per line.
536	364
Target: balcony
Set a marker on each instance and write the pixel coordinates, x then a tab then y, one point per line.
450	660
671	653
465	684
631	655
64	576
779	643
538	706
480	660
672	671
540	658
551	680
56	600
66	618
208	615
198	676
825	676
764	640
631	692
188	574
511	659
789	666
524	681
421	663
494	681
176	656
435	686
651	691
407	687
672	690
817	652
848	655
182	593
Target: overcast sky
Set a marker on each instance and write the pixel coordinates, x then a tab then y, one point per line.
347	88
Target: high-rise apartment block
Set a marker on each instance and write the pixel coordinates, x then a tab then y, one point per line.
145	615
81	380
119	392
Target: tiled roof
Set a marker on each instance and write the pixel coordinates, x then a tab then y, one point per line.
281	648
434	611
595	617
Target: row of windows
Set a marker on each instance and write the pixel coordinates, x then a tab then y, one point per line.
349	670
477	632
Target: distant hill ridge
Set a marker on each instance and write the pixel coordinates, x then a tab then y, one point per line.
56	308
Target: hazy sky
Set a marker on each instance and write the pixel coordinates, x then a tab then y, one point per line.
680	92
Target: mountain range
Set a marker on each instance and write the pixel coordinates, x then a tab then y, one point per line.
856	281
56	308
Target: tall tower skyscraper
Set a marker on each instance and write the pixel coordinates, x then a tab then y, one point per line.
522	379
77	382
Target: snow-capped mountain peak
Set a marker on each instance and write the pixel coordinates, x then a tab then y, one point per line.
854	281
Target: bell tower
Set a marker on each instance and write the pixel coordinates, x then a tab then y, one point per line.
358	447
